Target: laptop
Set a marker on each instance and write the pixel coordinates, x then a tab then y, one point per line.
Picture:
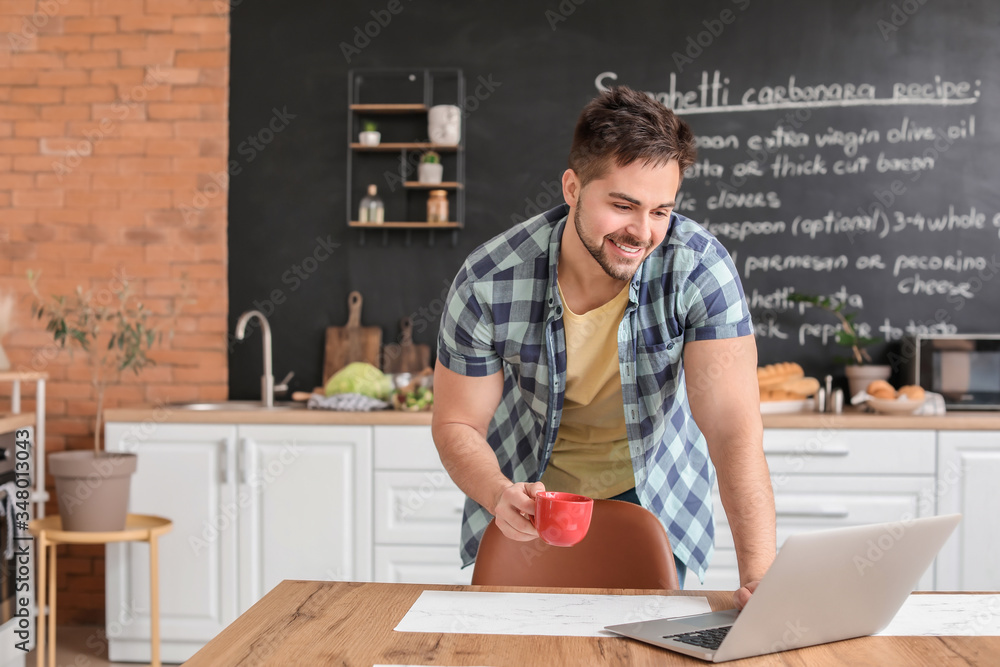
823	587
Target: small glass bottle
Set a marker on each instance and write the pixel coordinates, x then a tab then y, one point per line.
437	206
372	210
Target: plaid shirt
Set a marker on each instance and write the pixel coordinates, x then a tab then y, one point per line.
504	313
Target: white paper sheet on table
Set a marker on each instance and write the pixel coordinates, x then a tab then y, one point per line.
568	615
947	615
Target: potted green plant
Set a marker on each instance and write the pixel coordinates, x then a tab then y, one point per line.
369	135
430	170
858	367
115	333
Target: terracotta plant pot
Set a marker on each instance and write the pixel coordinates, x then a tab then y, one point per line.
859	377
92	490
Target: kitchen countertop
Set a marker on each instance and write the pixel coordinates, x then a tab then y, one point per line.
10	422
957	421
855	419
173	415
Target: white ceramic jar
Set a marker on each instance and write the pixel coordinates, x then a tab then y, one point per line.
444	124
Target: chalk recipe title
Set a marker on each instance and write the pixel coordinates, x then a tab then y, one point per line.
714	94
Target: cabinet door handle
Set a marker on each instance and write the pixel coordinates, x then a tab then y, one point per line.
241	456
224	465
840	451
833	513
244	459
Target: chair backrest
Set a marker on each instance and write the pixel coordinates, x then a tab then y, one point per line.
625	547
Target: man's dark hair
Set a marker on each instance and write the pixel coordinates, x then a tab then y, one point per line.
626	125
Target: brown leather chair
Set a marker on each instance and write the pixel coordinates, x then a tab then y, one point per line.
625	547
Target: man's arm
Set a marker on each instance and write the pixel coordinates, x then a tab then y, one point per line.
725	402
463	408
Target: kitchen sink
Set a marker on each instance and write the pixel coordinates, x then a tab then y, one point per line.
243	406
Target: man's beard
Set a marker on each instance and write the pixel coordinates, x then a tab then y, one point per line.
618	268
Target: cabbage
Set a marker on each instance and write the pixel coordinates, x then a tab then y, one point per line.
360	378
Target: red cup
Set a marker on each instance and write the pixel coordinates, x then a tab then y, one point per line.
562	519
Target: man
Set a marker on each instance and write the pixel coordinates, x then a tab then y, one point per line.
605	347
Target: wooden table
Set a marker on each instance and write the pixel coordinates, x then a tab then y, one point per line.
138	528
347	623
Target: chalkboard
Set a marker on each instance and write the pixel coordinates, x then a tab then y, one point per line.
846	148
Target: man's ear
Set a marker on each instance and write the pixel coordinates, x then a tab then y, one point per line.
571	187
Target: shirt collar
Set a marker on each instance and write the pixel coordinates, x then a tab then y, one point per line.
555	241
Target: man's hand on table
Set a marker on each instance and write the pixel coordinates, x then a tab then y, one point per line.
742	596
513	509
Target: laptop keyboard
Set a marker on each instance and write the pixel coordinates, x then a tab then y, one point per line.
709	639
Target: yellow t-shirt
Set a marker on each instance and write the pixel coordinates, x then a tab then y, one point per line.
591	455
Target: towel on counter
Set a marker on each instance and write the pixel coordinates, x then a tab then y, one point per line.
345	402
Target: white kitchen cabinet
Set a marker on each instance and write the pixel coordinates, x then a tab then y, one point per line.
422	507
420	565
831	479
251	505
308	516
255	504
968	470
418	510
184	474
807	503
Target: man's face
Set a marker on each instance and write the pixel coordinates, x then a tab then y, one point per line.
622	216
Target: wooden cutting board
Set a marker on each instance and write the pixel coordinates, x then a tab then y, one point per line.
352	342
406	357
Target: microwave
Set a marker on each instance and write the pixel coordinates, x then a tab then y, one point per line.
964	368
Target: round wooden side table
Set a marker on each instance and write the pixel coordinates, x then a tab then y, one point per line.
138	528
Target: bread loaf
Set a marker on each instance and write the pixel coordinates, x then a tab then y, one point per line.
800	387
912	392
773	375
770	395
881	389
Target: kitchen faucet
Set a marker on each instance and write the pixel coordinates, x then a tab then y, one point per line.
267	387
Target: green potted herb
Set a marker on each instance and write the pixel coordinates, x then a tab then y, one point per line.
858	366
115	333
369	135
430	170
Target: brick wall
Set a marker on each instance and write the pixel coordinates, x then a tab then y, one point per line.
113	151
